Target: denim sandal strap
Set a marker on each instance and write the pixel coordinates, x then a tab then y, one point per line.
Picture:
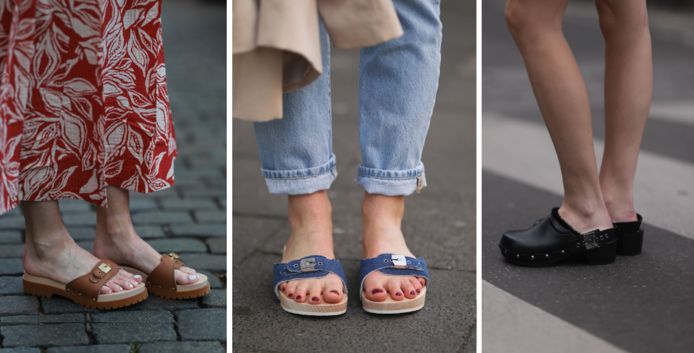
393	264
313	266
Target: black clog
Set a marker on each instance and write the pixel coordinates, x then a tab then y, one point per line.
630	237
552	240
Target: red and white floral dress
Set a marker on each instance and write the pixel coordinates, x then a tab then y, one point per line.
83	100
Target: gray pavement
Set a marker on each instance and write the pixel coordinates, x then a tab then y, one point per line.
637	304
439	224
188	219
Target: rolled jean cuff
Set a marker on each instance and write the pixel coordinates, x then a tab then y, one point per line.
392	182
301	181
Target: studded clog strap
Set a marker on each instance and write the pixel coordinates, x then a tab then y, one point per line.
89	285
314	266
393	264
163	275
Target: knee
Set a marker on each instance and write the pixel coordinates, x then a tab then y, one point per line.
618	16
523	19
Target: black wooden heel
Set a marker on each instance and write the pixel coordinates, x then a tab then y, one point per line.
602	255
630	237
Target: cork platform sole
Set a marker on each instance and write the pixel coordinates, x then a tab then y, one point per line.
323	309
199	288
44	287
390	306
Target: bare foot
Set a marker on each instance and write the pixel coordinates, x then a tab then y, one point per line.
59	258
383	234
310	218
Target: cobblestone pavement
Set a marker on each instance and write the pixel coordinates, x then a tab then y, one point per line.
188	219
440	223
637	304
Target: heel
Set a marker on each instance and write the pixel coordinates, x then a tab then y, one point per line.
38	290
603	255
630	243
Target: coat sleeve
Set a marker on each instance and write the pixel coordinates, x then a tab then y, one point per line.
360	23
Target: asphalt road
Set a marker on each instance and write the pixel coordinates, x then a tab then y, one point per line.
439	224
637	304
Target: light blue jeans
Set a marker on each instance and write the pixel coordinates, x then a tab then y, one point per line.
398	84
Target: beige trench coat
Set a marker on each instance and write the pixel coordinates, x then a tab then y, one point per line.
276	45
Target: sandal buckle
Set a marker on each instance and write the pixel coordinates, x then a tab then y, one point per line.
399	261
173	255
307	264
104	267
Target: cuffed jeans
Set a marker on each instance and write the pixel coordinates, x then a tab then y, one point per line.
398	83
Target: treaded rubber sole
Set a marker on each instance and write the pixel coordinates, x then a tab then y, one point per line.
47	291
601	256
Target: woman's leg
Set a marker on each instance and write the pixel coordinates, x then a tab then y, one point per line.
50	251
536	26
297	160
398	85
117	240
628	93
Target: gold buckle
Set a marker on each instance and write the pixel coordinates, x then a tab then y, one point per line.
173	255
104	267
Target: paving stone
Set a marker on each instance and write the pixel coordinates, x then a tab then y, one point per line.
80	219
179	245
11	223
188	204
199	230
143	203
148	232
11	250
81	233
20	350
206	261
182	347
202	324
58	305
44	335
211	216
162	217
18	304
11	285
10	236
217	245
99	348
213	278
11	266
67	206
216	297
251	233
42	319
133	326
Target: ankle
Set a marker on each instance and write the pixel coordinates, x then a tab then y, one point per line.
45	248
585	217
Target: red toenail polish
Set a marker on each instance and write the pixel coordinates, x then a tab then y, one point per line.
413	292
376	291
298	297
419	290
290	295
315	299
398	294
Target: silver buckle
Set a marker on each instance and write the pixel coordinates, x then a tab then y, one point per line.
307	264
399	261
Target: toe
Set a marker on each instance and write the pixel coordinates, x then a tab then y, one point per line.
393	287
291	289
185	278
416	284
283	287
105	290
314	291
301	291
422	281
332	293
375	293
137	278
124	282
187	270
408	288
115	287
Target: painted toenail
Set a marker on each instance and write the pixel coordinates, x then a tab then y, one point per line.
315	299
137	276
376	291
290	295
413	292
398	294
298	297
192	277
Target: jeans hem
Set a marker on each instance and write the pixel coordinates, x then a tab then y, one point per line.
392	182
301	181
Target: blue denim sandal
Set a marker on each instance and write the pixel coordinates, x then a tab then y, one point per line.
315	266
399	265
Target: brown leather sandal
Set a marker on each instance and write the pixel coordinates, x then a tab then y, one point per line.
161	281
85	290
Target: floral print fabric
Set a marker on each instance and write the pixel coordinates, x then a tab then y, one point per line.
83	100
